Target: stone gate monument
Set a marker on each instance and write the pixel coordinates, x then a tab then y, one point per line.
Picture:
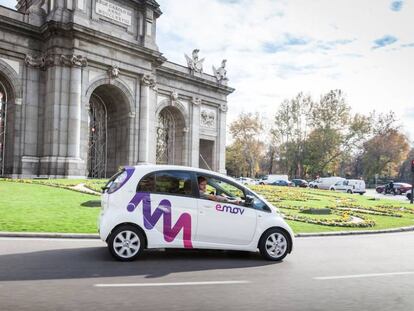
85	90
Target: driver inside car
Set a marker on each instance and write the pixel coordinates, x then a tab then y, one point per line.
202	186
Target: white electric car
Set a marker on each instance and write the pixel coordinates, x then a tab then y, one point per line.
161	206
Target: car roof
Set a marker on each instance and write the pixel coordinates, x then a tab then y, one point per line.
147	168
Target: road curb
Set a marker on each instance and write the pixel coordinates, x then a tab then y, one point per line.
361	232
49	235
54	235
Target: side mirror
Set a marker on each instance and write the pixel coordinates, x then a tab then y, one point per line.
249	200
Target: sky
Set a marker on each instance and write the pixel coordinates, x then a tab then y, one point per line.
278	48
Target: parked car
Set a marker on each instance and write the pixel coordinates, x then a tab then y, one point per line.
268	179
399	188
246	181
164	206
283	183
325	182
300	183
350	186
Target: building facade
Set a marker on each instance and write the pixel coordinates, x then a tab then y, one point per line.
85	90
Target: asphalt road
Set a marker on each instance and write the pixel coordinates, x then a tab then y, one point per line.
373	193
366	272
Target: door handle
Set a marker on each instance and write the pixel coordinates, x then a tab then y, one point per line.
207	206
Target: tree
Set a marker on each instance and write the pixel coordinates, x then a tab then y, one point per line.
290	130
314	137
383	154
246	134
405	173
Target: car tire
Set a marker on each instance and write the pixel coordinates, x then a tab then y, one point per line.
315	187
397	192
274	244
126	243
349	191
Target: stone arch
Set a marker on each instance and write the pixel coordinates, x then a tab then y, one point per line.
176	104
14	81
11	85
172	138
113	102
125	90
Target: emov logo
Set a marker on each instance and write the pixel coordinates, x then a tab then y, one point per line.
229	209
163	209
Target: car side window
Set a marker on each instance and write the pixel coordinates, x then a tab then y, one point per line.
174	182
258	203
169	182
216	189
147	183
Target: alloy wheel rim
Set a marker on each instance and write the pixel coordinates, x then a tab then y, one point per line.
276	245
126	244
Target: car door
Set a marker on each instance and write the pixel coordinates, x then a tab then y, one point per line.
340	186
224	222
170	208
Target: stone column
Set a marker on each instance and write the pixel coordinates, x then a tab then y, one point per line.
195	133
184	158
74	163
74	116
61	153
30	159
221	148
145	119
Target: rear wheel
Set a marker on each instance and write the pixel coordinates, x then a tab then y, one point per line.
274	244
126	243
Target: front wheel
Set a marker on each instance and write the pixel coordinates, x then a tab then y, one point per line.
349	191
126	243
274	244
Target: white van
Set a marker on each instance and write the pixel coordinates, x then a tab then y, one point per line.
269	179
350	186
166	206
325	182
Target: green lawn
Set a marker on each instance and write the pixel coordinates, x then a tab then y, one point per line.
44	206
294	202
38	208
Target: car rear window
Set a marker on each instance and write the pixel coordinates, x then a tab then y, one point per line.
168	182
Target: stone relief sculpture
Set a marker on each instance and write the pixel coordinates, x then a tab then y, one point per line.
36	62
194	64
223	107
38	7
220	73
73	60
208	118
196	101
113	72
174	96
149	80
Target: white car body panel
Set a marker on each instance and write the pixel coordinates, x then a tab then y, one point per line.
353	185
193	222
325	182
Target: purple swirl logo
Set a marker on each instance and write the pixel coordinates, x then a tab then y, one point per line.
163	209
